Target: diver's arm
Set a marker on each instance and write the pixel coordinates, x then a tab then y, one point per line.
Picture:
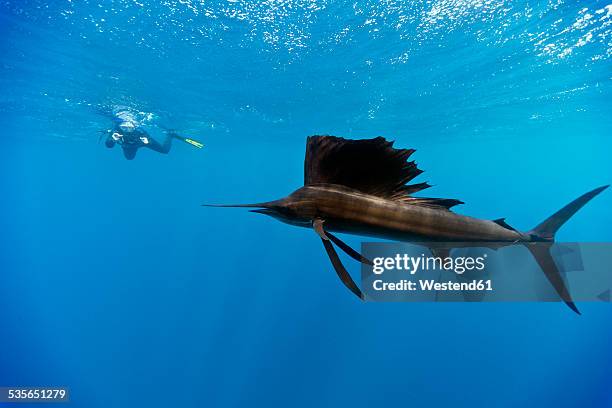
158	147
109	142
114	137
141	133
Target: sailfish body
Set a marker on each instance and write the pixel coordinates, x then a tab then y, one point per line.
350	211
361	187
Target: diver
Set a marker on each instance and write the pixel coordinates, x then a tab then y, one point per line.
130	137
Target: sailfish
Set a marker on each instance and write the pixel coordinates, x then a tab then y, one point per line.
362	187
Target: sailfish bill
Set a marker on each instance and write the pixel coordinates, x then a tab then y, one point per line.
364	187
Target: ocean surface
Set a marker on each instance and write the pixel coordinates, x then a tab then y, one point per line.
116	283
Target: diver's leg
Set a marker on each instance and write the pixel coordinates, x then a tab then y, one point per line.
161	148
129	152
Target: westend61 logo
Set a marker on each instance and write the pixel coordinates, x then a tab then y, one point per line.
412	264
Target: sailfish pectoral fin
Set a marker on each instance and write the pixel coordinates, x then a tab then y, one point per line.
341	271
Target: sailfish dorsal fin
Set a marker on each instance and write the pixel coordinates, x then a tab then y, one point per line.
371	166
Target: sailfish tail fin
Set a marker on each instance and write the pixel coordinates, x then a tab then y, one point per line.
542	237
546	230
542	255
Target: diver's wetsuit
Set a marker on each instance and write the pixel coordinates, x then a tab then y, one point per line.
130	142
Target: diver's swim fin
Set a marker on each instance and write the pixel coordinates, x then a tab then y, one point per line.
188	140
194	143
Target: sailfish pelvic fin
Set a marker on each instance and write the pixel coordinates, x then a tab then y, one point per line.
341	271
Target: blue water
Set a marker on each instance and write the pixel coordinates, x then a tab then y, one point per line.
117	284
